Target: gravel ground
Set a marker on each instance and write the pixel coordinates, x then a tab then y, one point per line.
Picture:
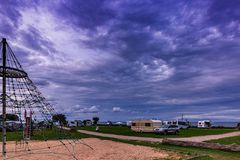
95	149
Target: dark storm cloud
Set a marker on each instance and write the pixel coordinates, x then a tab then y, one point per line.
84	14
140	57
224	11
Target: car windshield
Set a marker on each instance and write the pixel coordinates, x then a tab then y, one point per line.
164	126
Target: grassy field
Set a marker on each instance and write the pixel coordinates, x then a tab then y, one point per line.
121	130
229	140
46	134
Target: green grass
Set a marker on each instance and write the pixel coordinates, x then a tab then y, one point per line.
13	136
56	133
120	130
229	140
45	134
203	158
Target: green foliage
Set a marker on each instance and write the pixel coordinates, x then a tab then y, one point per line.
95	120
11	117
61	118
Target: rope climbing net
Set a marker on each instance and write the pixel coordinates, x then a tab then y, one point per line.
20	97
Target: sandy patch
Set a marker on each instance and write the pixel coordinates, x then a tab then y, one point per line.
95	149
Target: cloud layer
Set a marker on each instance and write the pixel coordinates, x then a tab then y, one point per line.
150	59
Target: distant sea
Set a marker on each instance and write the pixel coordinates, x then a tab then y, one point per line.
218	124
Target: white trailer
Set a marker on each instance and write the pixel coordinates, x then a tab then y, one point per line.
129	123
204	124
72	123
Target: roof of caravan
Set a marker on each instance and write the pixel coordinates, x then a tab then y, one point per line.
147	120
156	120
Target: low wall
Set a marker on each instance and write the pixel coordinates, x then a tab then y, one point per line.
232	147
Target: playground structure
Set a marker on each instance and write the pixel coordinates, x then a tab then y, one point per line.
22	98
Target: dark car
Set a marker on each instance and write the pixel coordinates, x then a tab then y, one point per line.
166	129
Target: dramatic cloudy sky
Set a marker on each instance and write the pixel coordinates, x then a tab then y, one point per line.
129	59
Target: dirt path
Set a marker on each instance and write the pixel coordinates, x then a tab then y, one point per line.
148	139
98	150
208	137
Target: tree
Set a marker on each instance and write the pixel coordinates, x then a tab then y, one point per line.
61	118
95	120
11	117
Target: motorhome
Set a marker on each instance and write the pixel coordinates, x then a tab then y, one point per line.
180	123
87	122
72	123
79	123
75	123
145	125
204	124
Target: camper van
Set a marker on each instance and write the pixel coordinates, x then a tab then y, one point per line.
145	125
182	124
76	123
72	123
204	124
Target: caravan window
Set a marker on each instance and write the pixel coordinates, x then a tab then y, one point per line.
147	124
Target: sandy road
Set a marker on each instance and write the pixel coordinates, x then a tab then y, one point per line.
148	139
208	137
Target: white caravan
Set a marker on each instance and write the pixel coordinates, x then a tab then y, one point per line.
204	124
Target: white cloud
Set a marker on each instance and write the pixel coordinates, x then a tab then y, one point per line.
66	40
117	109
92	109
155	70
213	33
221	115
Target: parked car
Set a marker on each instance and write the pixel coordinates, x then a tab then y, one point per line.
166	129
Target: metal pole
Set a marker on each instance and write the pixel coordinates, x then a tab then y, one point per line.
4	43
